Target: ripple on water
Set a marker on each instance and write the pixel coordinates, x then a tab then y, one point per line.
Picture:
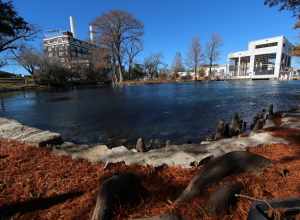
162	111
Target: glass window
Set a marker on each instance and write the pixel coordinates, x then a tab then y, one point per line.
244	66
233	66
266	45
264	64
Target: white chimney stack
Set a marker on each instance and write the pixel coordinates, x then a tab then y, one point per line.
91	33
72	26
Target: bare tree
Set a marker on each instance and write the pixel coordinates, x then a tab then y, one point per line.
133	48
13	28
100	59
114	29
28	58
195	56
51	72
177	65
152	64
213	50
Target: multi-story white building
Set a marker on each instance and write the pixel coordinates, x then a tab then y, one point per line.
268	58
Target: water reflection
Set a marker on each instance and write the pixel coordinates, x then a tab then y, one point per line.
2	104
179	112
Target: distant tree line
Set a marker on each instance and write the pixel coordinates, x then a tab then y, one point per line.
197	58
51	71
119	39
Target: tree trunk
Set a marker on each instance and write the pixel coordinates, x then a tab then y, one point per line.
114	71
195	71
129	69
120	74
210	67
120	70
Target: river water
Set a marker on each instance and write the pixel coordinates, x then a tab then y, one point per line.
185	112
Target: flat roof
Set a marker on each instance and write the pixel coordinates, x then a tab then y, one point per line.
240	53
269	39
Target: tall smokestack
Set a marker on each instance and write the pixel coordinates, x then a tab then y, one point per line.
92	38
72	26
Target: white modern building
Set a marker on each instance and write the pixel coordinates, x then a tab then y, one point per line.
268	58
217	71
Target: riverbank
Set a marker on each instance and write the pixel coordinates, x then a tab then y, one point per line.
9	87
183	155
159	81
14	87
37	183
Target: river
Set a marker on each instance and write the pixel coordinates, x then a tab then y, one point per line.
180	112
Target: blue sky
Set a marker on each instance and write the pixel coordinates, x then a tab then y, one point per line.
170	25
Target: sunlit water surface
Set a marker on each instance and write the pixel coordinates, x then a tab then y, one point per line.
178	112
